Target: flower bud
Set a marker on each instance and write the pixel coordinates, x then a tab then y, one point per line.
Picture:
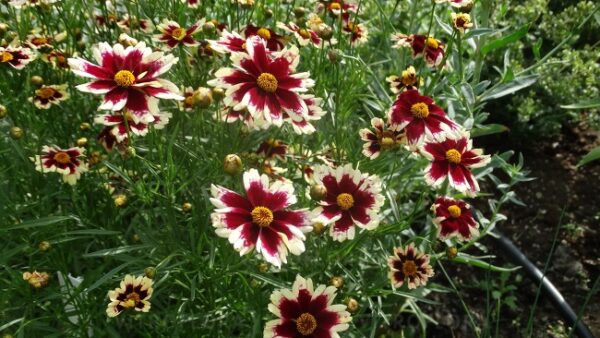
44	246
203	97
467	8
150	272
232	164
3	28
299	12
351	305
337	281
120	200
186	207
333	55
318	228
268	13
318	192
36	80
209	27
325	32
3	111
82	142
84	126
218	93
263	267
452	252
16	133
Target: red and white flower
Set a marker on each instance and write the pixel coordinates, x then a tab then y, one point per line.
302	123
261	219
229	42
128	24
382	139
453	157
352	199
49	95
358	32
264	83
192	3
305	311
454	219
127	77
338	7
409	265
406	81
37	41
187	104
16	57
123	123
274	41
173	35
67	162
419	117
303	35
431	48
133	293
272	148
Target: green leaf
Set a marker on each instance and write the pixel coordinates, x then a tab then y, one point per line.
470	260
509	88
40	222
593	155
536	49
479	32
506	40
115	251
593	103
109	275
488	129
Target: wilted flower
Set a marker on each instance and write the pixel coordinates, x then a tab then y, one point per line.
406	81
306	312
408	264
353	199
172	34
63	161
418	116
128	24
49	95
431	48
16	57
453	157
383	138
133	293
261	219
304	36
358	32
272	148
461	21
36	279
454	219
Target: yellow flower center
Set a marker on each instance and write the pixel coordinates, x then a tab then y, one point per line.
45	93
62	157
304	33
409	77
420	110
387	142
128	116
262	216
178	34
432	42
335	6
453	156
409	268
267	82
264	33
131	300
345	201
39	41
454	211
189	101
6	56
306	324
124	78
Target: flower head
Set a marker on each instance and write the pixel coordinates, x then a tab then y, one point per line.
408	264
406	81
16	57
454	219
49	95
133	293
36	279
418	116
428	46
382	138
453	157
229	42
127	77
274	41
261	219
461	21
123	123
305	311
63	161
173	35
358	32
456	3
353	199
304	36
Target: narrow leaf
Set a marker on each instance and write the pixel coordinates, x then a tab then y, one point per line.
488	129
509	88
506	40
40	222
593	103
593	155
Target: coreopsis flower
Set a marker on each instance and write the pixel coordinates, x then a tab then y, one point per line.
261	219
338	7
16	57
127	77
358	32
301	122
428	46
272	148
315	23
123	123
36	279
109	141
128	24
49	95
406	81
187	104
30	3
452	156
229	42
191	3
37	41
305	311
304	36
461	21
274	172
454	219
173	35
133	293
353	200
57	58
274	41
264	83
456	3
409	265
383	138
419	117
67	162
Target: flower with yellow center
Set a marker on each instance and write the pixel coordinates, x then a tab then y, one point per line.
454	211
178	34
420	110
432	42
409	268
39	41
306	324
45	93
267	82
304	33
6	56
264	33
335	6
124	78
262	216
131	300
62	157
387	142
453	156
409	76
345	201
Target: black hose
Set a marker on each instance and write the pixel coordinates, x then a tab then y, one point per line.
559	302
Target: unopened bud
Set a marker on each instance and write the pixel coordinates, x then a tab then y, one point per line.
351	305
452	252
82	142
120	200
232	164
186	207
44	246
203	97
318	192
337	281
36	80
318	228
16	133
150	272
